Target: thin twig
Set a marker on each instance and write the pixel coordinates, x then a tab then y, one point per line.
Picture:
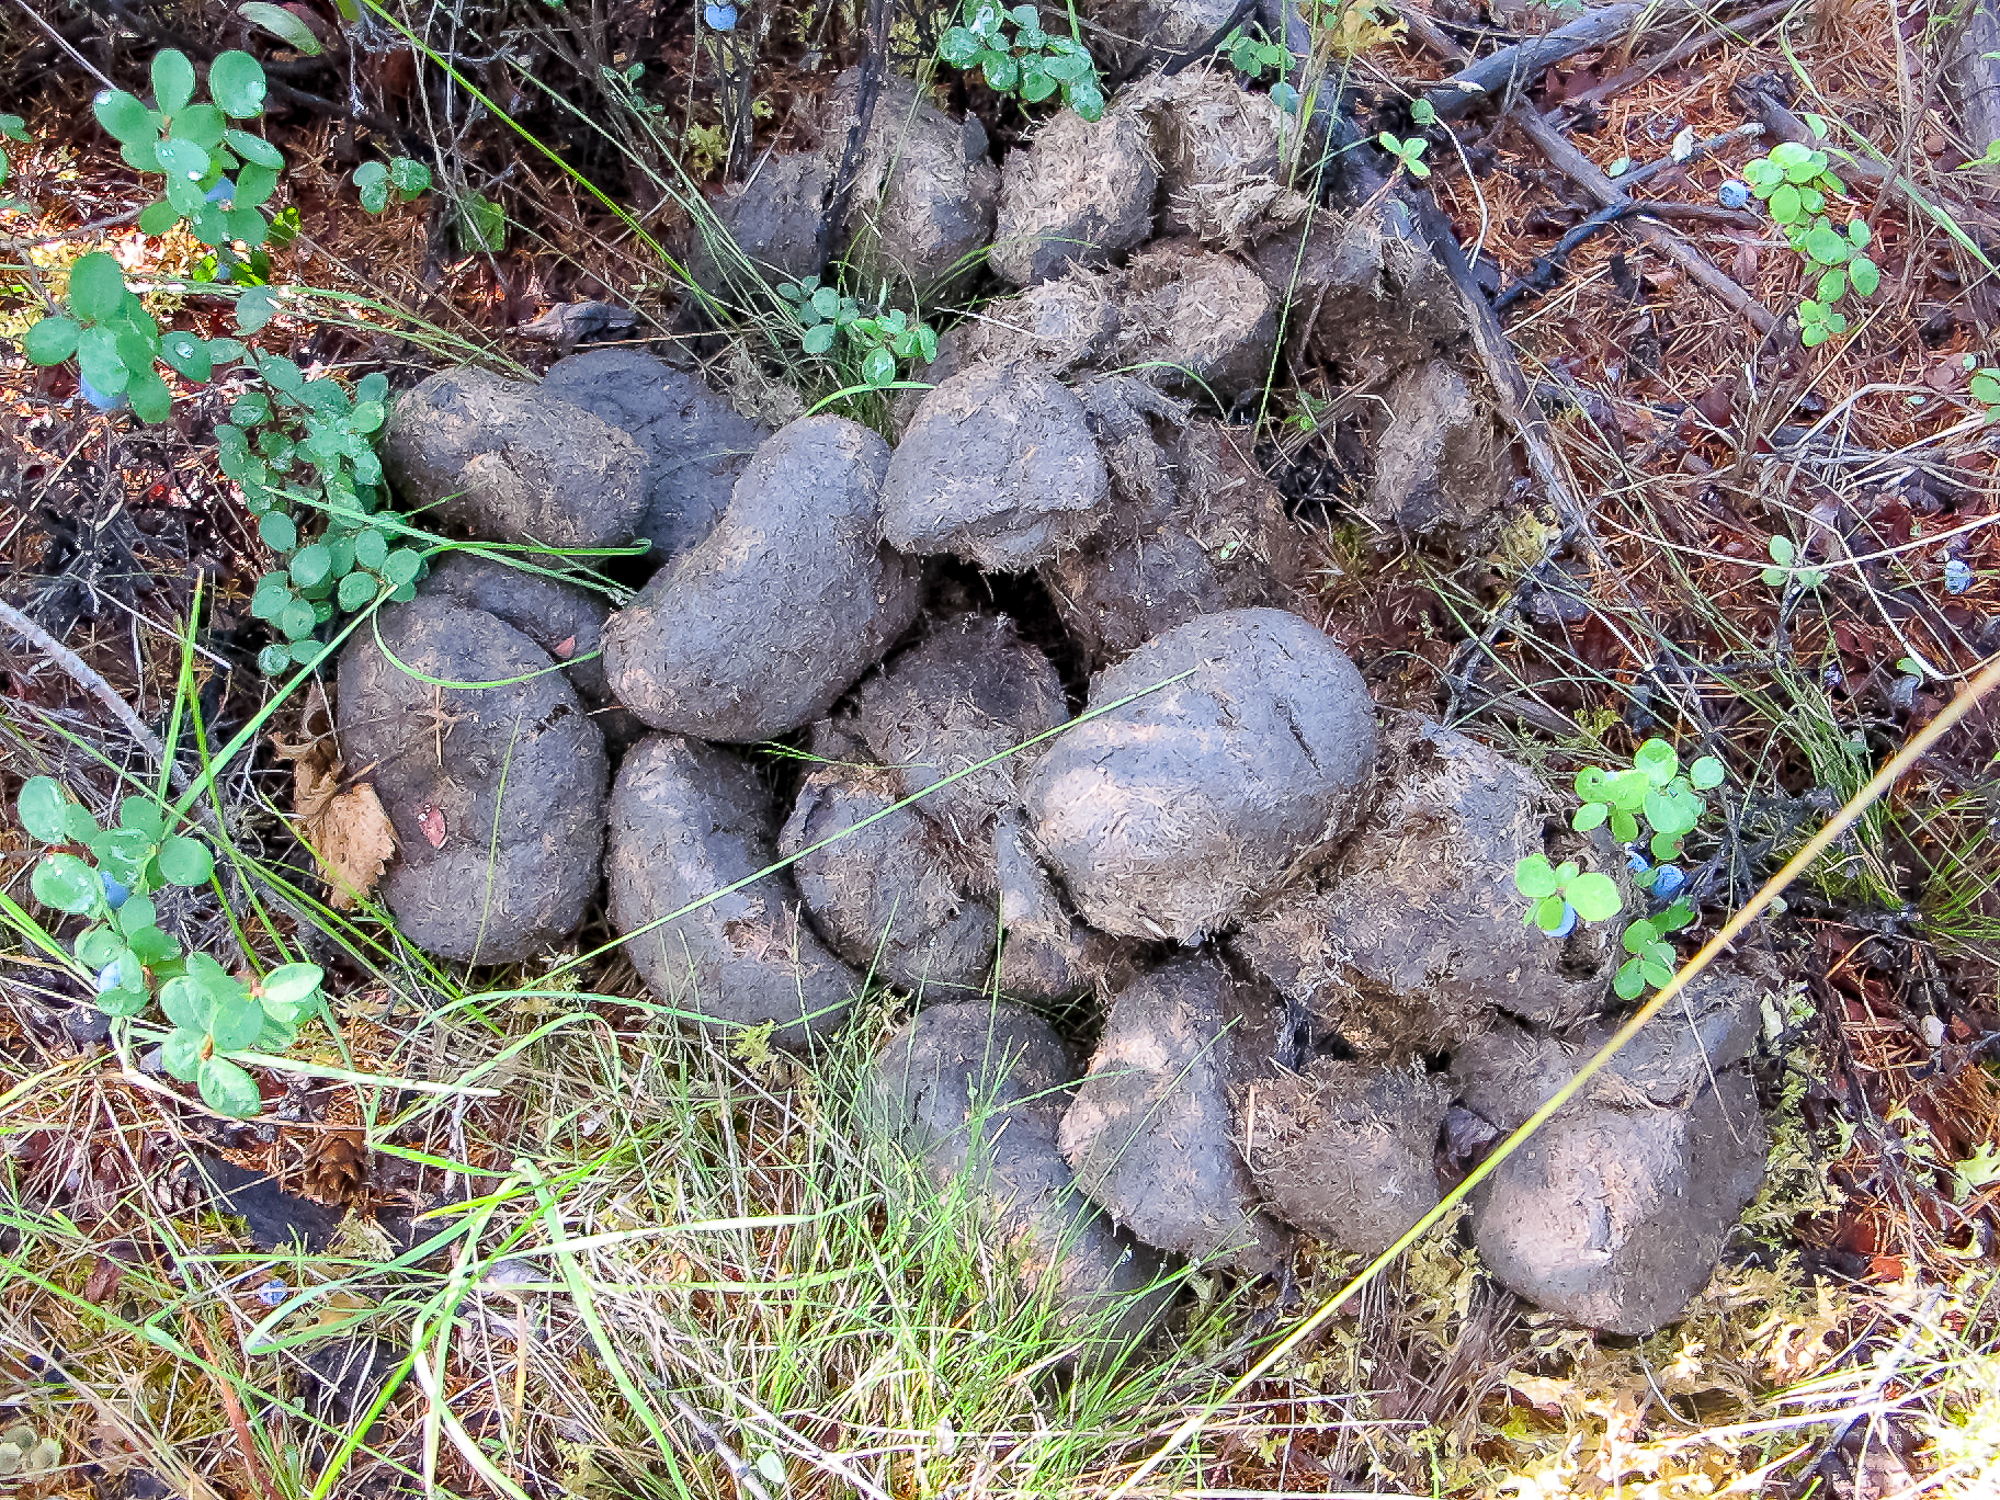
1586	174
840	192
1527	60
232	1406
741	1472
88	679
1680	52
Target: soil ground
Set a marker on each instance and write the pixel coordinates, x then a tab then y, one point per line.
514	1233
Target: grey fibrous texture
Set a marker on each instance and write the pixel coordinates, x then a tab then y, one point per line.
1174	814
688	821
1152	1135
974	1093
503	461
760	627
695	442
496	792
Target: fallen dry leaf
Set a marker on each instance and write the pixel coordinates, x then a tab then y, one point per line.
348	831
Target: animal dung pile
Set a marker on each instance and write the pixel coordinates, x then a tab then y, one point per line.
1284	918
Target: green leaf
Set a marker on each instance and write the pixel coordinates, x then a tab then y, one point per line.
235	1024
159	218
296	620
817	339
124	117
173	80
1590	815
1832	286
282	24
1864	275
97	946
152	946
180	1053
273	659
374	192
1624	827
254	149
1534	877
40	808
255	307
151	401
254	186
1629	983
187	354
278	531
1002	73
291	986
1785	205
66	883
236	82
1665	845
959	47
51	341
79	824
182	159
1705	773
878	367
1782	551
96	287
201	124
1827	246
1594	896
355	591
185	861
98	357
311	566
1657	759
228	1090
409	176
401	566
483	224
1086	99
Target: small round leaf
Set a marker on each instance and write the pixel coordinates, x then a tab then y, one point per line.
226	1088
66	883
236	80
185	861
96	287
41	808
1595	897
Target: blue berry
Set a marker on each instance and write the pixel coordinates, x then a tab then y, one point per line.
111	976
1733	194
1667	880
1568	924
719	17
1636	862
102	400
115	894
223	192
1957	575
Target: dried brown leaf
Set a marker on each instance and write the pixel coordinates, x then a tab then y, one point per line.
347	830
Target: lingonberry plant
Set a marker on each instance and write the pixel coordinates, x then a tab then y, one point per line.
1796	181
1016	56
301	449
880	338
1656	799
109	876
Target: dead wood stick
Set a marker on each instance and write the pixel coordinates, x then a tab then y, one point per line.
1586	174
84	676
1526	60
743	1476
1504	373
1677	54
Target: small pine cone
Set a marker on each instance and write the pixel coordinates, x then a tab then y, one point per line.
337	1169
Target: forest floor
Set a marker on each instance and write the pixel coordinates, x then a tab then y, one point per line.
509	1232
